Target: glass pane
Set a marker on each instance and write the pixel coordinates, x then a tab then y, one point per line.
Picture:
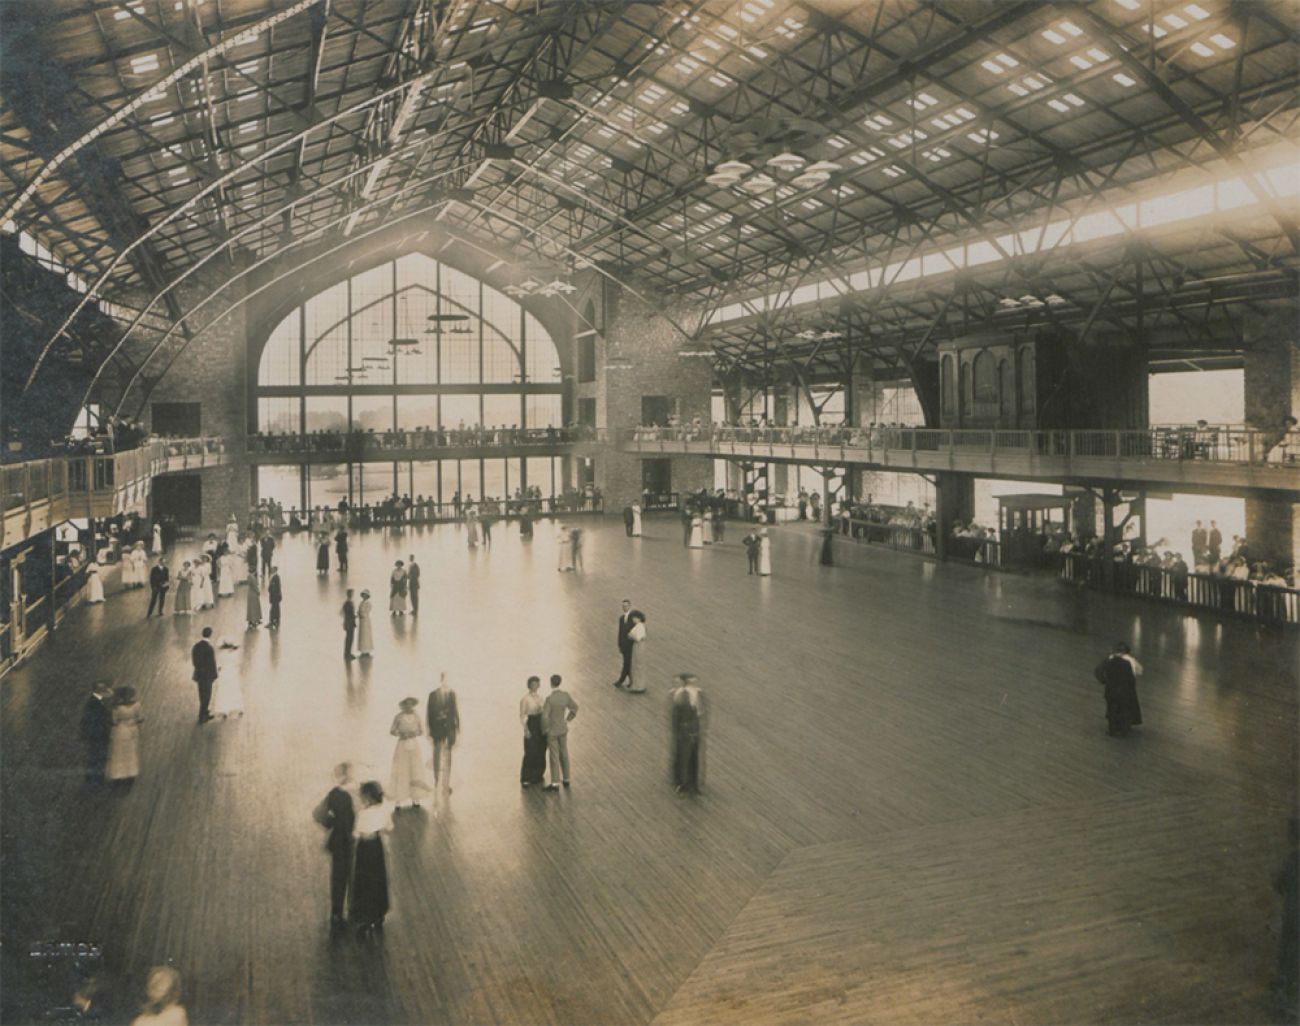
326	413
500	361
418	364
280	484
327	359
278	415
279	365
501	411
544	411
539	474
372	412
372	324
512	486
460	411
471	479
424	480
494	479
416	269
325	339
417	411
543	359
326	484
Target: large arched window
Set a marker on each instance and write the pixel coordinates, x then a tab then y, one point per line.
411	343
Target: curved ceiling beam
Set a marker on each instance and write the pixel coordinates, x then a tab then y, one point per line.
147	96
218	183
335	249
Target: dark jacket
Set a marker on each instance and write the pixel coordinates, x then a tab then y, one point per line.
96	722
336	814
204	658
413	577
159	577
349	615
625	624
268	545
273	589
443	715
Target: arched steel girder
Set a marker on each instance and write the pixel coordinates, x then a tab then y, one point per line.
147	95
218	183
333	250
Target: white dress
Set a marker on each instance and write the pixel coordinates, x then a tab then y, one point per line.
124	743
365	628
410	780
636	521
764	556
128	569
94	586
227	694
140	566
697	533
232	536
564	548
226	575
156	545
202	587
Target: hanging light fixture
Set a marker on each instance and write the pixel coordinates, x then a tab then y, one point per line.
815	174
786	162
757	184
728	173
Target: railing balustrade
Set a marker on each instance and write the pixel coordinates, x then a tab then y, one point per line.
360	444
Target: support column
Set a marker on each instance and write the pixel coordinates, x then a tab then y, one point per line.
859	411
1272	391
785	407
954	499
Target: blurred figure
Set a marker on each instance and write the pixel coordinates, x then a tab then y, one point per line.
409	785
96	726
337	815
370	873
687	732
1118	674
444	726
124	740
162	1005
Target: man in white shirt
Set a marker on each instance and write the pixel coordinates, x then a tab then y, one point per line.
559	709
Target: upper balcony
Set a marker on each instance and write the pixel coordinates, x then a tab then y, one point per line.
39	494
1211	460
421	444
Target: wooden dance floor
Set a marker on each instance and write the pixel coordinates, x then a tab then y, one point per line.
912	812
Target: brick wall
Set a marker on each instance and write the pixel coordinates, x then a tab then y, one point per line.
643	342
1271	383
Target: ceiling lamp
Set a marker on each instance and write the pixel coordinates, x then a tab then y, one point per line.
787	162
728	173
813	335
758	184
814	174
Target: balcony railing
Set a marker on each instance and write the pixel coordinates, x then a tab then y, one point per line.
357	445
38	494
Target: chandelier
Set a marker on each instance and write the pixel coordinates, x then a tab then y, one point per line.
529	287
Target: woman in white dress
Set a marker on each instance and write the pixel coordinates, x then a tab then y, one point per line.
410	782
232	534
227	691
564	547
94	586
764	553
636	636
697	532
156	544
226	574
241	563
365	626
397	590
636	520
202	583
124	737
140	565
471	521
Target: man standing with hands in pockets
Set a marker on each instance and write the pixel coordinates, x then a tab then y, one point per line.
558	710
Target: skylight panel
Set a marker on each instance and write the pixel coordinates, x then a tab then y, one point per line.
1057	105
861	159
893	171
658	128
1081	62
687	65
751	12
1201	50
758	52
877	122
811	204
937	154
158	120
1052	36
1007	60
837	142
1127	81
127	10
845	191
1098	54
749	229
789	27
720	80
1222	42
982	135
784	192
712	44
922	101
725	31
992	66
680	107
248	67
1196	11
1073	100
1131	5
145	63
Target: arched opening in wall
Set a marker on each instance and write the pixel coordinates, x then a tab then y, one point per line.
1025	375
946	387
985	374
964	393
1007	393
409	344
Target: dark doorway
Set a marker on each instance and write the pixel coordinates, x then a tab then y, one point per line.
179	496
655	410
657	476
176	420
587	412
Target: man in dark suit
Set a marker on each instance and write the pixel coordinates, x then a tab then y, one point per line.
349	625
159	582
341	548
626	619
413	584
627	520
443	718
204	659
96	724
268	550
688	727
1215	542
1200	542
337	815
751	550
274	594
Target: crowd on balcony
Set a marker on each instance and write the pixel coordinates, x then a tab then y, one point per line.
1210	557
474	435
111	435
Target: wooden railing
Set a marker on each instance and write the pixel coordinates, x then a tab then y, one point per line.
1267	602
346	446
38	494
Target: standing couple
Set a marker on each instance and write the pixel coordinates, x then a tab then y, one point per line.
410	784
631	636
358	868
546	731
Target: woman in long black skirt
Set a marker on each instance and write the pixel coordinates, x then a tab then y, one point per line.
1118	673
533	769
369	869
